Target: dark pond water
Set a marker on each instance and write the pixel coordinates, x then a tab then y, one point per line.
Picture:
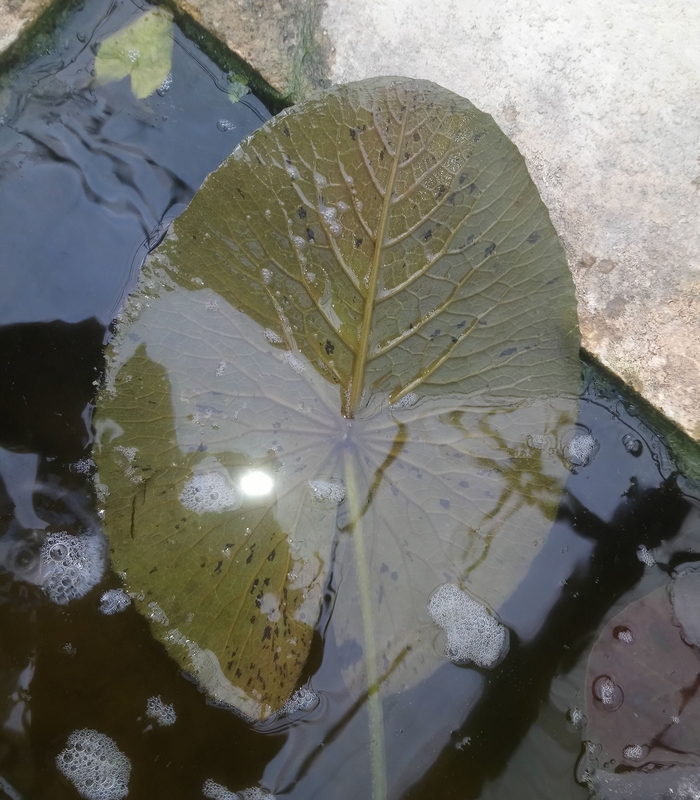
89	179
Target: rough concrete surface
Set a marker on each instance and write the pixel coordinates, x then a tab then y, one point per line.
603	100
281	39
15	16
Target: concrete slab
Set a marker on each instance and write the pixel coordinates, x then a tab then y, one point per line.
603	100
15	17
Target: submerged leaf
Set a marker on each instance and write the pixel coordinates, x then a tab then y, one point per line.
356	351
641	690
143	49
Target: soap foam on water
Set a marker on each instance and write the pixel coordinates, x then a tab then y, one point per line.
209	492
72	565
329	489
645	556
303	699
634	752
215	791
164	714
579	450
113	601
406	401
93	763
472	633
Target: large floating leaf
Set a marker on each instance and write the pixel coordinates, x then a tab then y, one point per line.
142	49
361	336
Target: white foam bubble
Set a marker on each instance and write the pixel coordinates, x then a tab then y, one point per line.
634	752
266	275
645	556
226	126
215	791
157	614
472	633
113	601
295	363
579	450
159	711
93	763
209	492
292	171
256	793
272	337
71	565
406	401
328	489
303	699
167	83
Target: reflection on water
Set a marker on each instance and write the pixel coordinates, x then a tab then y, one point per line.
78	665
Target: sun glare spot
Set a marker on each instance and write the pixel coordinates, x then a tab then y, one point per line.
256	483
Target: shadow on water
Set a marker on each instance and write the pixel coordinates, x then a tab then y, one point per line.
89	180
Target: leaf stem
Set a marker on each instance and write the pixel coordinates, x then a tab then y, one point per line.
374	700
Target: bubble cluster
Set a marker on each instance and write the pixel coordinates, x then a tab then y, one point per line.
623	634
645	556
71	565
576	717
328	489
113	601
580	449
163	713
93	763
167	83
472	633
634	752
226	126
209	492
406	401
303	699
633	446
272	337
215	791
608	692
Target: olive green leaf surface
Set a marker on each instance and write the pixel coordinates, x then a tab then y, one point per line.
359	345
143	49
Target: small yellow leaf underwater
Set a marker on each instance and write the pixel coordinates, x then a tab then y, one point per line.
143	49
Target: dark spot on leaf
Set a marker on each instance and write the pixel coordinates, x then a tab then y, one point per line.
202	448
358	241
203	564
381	156
254	585
454	340
266	582
310	235
489	250
441	190
155	569
384	568
252	622
427	235
416	137
477	136
533	237
406	155
352	134
330	347
394	576
471	188
240	192
271	557
464	484
238	673
228	545
462	323
445	503
301	212
229	665
217	569
435	333
286	132
482	322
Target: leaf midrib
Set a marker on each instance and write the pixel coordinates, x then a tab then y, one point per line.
360	365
